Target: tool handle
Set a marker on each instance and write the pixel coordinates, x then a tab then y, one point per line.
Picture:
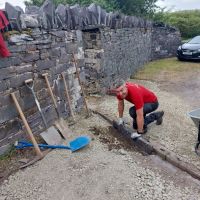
67	94
37	149
27	144
29	80
49	89
78	74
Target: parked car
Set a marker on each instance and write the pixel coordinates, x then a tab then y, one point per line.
189	50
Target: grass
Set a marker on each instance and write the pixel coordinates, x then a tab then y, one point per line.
9	154
169	65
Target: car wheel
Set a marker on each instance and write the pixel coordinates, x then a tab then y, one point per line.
180	59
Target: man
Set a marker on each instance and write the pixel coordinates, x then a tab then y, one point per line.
145	102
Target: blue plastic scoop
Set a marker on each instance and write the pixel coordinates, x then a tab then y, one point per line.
74	145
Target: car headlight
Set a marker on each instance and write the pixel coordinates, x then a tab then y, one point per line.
179	48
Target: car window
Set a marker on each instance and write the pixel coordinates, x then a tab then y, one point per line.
195	40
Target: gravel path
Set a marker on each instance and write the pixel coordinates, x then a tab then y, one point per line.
96	173
177	133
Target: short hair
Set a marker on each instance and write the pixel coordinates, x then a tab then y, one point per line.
117	83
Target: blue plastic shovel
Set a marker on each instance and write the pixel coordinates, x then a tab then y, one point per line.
74	145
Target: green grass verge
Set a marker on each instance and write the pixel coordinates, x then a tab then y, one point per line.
168	65
11	152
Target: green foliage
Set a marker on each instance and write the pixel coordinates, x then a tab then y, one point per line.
188	21
145	8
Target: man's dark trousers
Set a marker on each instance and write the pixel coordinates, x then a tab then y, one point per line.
148	108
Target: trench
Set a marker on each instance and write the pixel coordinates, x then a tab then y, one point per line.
115	141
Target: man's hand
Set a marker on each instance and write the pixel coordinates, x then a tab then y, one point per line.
120	121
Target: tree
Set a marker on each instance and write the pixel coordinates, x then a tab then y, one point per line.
188	21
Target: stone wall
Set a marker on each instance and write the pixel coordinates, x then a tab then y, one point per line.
44	53
114	53
165	41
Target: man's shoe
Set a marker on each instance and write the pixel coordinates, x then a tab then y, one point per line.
135	135
160	118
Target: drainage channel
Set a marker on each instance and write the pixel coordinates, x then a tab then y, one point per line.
157	152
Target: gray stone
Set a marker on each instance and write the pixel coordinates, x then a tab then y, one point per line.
46	46
9	128
7	62
45	64
13	16
94	14
59	68
19	9
4	149
74	10
3	86
59	34
30	57
61	16
47	15
29	21
18	80
7	72
17	48
68	22
32	10
15	39
55	52
8	112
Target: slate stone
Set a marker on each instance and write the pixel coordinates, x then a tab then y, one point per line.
93	9
45	64
5	148
19	9
68	22
16	39
7	72
30	57
9	112
47	14
75	16
29	21
3	86
17	48
18	80
61	16
32	10
13	16
7	62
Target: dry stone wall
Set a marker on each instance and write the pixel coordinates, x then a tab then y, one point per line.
44	53
114	53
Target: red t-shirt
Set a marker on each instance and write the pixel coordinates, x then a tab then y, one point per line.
138	95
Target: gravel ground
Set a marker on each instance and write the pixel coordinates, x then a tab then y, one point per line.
177	133
96	172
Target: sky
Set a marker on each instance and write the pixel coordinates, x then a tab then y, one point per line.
169	4
175	5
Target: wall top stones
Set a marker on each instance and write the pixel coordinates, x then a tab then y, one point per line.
69	17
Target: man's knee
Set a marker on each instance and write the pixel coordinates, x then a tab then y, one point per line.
132	112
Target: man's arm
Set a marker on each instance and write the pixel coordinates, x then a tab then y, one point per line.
121	108
140	120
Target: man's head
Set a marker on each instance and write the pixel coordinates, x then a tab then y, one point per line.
120	88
